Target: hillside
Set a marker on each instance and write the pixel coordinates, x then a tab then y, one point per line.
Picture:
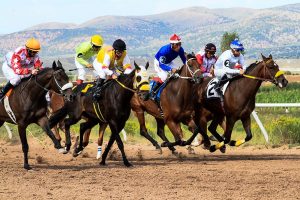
273	30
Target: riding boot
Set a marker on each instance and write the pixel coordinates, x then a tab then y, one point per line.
98	89
218	88
155	90
5	89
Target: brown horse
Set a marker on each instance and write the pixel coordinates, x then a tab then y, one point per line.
29	104
239	100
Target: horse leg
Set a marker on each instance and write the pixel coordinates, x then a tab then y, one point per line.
144	132
121	147
55	131
68	122
44	123
110	143
221	145
161	133
177	133
102	128
86	137
25	147
88	125
247	126
198	129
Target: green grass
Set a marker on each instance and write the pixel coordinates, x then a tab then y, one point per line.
282	127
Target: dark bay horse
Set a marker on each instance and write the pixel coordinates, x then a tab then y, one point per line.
239	100
29	104
113	109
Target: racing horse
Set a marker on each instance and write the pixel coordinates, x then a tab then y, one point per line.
113	109
28	103
239	100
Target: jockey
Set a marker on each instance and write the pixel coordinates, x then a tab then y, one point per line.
207	59
110	63
230	63
84	53
163	62
21	63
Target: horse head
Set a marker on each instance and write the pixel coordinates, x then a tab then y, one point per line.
60	82
193	67
141	82
273	73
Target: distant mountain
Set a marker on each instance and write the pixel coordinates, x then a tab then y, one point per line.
274	30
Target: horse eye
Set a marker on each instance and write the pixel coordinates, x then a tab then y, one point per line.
138	78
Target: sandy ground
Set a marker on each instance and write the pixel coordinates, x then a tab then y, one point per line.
241	173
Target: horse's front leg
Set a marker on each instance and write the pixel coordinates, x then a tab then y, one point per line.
25	147
161	132
176	130
247	126
143	130
88	125
44	123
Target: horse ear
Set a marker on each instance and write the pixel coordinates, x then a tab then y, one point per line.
136	66
147	65
270	56
263	57
54	66
59	64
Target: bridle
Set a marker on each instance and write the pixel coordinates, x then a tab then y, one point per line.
188	70
266	71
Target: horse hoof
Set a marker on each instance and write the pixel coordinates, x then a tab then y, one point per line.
27	166
62	150
164	144
232	143
68	147
223	149
212	148
128	164
77	152
102	163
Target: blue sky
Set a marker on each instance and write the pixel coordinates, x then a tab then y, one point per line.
17	15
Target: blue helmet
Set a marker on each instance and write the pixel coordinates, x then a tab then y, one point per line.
237	45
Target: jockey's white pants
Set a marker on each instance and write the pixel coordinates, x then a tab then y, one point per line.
81	69
163	75
10	75
103	72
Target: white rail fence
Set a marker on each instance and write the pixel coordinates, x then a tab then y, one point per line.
270	105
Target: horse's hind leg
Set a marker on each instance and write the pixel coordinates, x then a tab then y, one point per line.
177	133
102	128
121	147
25	147
247	126
143	130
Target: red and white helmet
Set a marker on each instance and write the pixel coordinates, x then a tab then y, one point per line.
175	39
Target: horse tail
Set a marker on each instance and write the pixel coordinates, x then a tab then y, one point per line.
57	116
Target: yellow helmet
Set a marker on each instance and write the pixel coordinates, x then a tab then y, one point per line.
97	40
33	44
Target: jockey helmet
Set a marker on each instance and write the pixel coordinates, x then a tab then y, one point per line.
119	45
236	45
210	47
174	39
33	45
97	40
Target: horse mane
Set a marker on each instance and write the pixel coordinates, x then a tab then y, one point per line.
252	66
41	72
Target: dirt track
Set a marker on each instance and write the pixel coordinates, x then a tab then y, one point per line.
241	173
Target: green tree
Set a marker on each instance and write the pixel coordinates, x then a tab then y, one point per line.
226	40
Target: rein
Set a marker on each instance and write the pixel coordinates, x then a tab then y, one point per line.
279	73
125	87
188	70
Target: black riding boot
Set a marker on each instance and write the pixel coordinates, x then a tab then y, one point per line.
5	89
218	88
98	88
